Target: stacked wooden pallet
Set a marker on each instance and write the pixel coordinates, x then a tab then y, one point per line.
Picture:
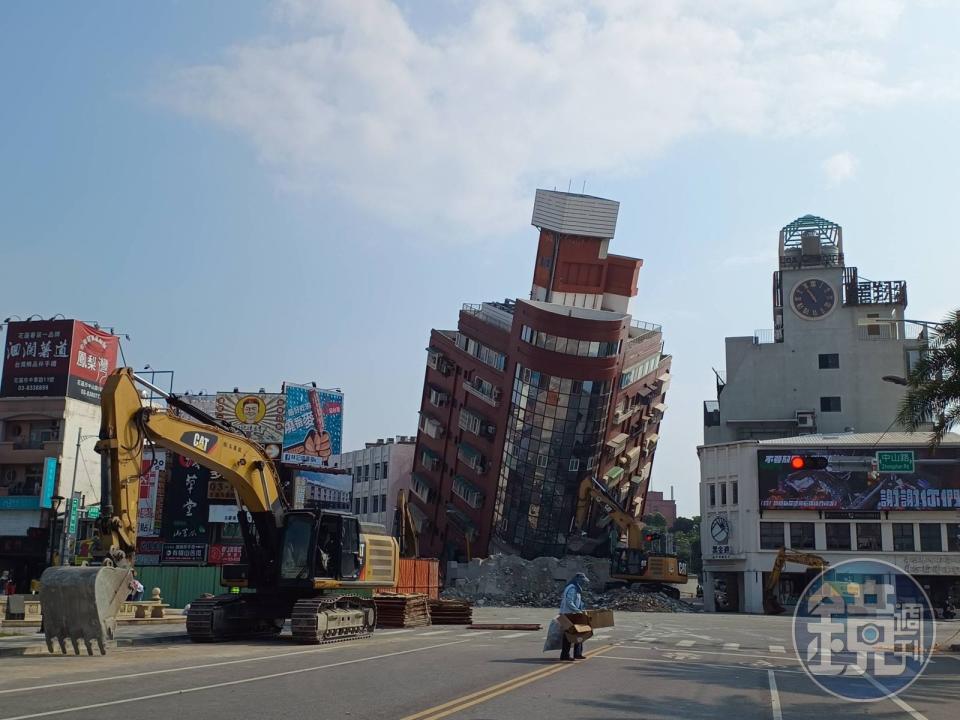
402	611
451	612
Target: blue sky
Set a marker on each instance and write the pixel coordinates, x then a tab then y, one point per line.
259	192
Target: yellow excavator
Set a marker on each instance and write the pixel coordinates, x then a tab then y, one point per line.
634	563
298	564
771	603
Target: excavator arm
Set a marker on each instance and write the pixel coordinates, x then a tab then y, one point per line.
771	605
82	603
591	490
126	424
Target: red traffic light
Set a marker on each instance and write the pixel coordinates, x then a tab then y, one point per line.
650	537
808	462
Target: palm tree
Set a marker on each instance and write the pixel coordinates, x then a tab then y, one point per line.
933	385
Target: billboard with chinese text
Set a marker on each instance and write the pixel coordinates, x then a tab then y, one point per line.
186	505
848	482
57	358
259	415
153	468
313	427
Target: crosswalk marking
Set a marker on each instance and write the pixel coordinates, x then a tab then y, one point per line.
395	632
514	635
731	646
686	643
474	633
778	649
434	632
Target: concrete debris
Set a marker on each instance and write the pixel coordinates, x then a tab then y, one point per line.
511	581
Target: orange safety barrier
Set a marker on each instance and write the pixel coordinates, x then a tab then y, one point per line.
419	575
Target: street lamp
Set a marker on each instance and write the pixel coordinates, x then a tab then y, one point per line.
895	379
73	487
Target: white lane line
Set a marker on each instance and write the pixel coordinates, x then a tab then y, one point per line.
742	654
433	632
895	699
228	683
731	646
778	649
513	635
395	632
681	665
475	633
774	696
165	671
686	643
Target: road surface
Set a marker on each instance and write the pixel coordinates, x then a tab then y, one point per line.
648	666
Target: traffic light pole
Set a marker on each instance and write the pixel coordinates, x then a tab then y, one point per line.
68	513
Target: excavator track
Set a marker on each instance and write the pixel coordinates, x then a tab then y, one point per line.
217	619
323	620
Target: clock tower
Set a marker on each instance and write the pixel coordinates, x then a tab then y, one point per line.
809	284
820	369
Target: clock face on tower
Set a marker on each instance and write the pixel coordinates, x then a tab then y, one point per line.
813	298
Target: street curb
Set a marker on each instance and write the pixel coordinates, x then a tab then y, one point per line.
41	648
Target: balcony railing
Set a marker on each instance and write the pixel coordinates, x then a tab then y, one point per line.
763	337
493	400
493	316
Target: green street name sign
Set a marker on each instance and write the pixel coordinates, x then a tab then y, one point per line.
897	461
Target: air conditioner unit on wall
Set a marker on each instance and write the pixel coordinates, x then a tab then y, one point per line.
806	418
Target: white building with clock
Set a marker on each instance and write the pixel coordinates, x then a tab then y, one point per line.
819	369
816	375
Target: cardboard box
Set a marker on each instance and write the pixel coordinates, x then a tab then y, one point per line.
600	618
576	627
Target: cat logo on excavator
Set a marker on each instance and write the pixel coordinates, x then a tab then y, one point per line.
202	441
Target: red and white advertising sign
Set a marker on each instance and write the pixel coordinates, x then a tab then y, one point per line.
224	554
93	356
57	358
153	465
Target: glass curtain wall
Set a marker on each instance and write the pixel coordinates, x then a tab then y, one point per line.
554	437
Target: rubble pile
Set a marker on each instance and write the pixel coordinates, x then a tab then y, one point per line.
632	600
511	581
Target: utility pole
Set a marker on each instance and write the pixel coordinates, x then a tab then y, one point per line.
68	514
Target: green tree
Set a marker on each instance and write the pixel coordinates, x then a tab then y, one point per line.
656	520
933	385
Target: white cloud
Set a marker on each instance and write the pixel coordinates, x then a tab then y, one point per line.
840	167
453	127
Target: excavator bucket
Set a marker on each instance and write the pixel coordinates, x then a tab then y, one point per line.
81	603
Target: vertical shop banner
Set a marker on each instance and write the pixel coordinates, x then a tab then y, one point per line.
49	482
313	428
153	464
259	415
93	357
57	358
186	506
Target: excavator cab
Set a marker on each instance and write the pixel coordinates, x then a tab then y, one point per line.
319	545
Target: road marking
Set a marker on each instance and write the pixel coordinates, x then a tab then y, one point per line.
774	696
145	673
778	649
228	683
742	654
475	698
513	635
475	633
434	632
895	699
731	646
686	643
395	632
674	663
